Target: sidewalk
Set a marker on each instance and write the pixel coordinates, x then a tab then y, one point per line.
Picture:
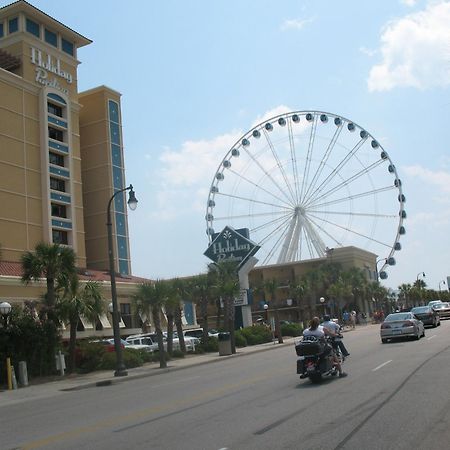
106	378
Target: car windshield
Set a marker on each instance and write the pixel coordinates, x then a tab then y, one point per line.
439	305
398	316
420	309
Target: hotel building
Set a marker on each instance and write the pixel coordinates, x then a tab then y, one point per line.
61	159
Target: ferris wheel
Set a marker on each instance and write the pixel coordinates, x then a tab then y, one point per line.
307	181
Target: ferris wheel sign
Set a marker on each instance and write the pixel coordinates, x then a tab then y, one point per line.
231	245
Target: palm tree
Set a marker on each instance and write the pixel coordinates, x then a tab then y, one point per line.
76	301
227	286
149	300
298	291
404	294
270	288
202	291
175	289
51	261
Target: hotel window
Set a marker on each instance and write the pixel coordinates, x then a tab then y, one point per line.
60	237
13	25
55	134
32	27
67	47
51	38
1	30
59	210
57	160
54	109
57	185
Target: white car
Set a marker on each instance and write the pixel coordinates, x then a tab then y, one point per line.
141	342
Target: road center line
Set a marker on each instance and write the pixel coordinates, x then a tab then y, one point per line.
431	337
381	365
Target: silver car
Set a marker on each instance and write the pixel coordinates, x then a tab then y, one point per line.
400	325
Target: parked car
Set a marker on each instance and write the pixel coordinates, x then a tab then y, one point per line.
190	342
428	315
198	333
398	325
144	342
109	344
443	309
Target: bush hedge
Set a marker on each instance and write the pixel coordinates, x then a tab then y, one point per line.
291	329
257	334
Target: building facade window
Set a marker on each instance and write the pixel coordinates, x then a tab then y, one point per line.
56	134
32	27
51	38
57	160
57	185
60	237
1	30
125	313
59	210
67	47
13	25
54	109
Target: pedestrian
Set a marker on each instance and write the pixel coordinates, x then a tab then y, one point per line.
353	319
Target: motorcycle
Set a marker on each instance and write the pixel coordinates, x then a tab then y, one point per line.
317	358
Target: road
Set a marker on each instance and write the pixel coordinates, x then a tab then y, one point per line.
396	396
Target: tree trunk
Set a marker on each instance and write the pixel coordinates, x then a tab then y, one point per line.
159	337
229	302
179	326
204	316
219	313
169	333
72	343
277	325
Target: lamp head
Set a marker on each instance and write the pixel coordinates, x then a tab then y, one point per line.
132	200
5	308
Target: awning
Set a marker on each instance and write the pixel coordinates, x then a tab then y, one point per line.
104	321
86	324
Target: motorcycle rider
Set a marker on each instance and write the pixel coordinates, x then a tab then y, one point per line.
315	329
336	329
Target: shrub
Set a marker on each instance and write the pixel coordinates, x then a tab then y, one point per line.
257	334
131	358
211	346
89	356
239	339
177	354
291	329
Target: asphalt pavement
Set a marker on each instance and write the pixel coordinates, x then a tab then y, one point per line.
103	378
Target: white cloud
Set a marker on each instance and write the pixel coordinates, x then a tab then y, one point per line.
295	24
408	2
415	50
187	172
439	179
368	51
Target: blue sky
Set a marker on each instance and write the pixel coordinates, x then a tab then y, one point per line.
195	76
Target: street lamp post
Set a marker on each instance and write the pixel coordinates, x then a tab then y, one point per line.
266	312
420	274
322	302
132	203
5	310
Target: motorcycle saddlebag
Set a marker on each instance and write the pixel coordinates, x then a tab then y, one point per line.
309	348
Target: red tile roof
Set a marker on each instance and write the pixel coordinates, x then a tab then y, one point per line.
14	269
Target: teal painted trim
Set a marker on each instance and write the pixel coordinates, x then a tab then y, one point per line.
60	147
56	121
60	172
56	97
60	197
61	224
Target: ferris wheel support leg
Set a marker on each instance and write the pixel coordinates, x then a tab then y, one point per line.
247	320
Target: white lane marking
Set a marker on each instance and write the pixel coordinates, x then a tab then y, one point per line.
381	365
431	337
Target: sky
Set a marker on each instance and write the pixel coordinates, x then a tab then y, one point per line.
196	76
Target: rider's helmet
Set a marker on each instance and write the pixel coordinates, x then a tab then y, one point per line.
326	318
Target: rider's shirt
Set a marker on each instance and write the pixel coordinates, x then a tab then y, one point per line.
318	332
331	326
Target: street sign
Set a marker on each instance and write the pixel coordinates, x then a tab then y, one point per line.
230	245
242	300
